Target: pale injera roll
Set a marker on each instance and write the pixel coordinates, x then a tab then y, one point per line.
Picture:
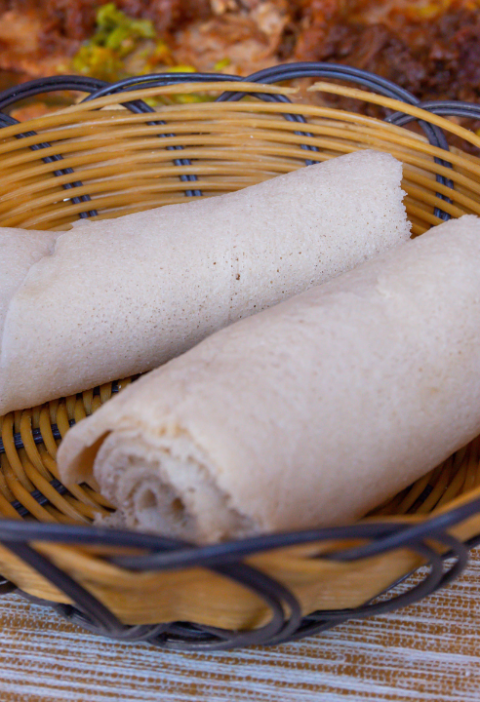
120	297
19	251
308	414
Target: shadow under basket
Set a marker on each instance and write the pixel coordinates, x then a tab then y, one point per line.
162	139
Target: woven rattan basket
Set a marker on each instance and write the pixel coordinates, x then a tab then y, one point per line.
111	153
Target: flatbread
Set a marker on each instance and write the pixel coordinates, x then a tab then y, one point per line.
308	414
20	249
119	297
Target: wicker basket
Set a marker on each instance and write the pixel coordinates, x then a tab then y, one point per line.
107	156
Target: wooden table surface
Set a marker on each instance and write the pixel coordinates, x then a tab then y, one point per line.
430	651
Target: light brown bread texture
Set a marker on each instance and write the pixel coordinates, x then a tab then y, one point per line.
119	297
19	250
308	414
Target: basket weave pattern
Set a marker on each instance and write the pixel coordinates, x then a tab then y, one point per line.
110	155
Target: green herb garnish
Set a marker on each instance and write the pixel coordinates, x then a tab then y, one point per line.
122	46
